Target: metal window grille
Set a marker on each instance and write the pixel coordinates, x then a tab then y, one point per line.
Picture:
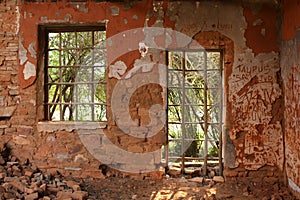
195	103
75	74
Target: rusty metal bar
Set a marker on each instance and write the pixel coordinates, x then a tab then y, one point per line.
205	116
221	116
183	58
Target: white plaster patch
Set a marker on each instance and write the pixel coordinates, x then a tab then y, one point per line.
29	70
143	49
45	19
22	53
117	70
145	66
18	20
80	7
31	49
135	17
114	10
257	22
263	32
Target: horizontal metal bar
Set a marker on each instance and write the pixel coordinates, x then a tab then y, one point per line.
77	83
190	139
193	158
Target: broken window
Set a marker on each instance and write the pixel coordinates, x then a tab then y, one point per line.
195	101
75	74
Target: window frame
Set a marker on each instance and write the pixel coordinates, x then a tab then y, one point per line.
221	115
43	34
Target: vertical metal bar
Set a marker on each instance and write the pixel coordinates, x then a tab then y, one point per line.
205	116
93	78
60	79
167	110
46	79
221	114
183	59
76	84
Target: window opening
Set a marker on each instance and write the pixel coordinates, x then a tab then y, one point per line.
194	110
75	74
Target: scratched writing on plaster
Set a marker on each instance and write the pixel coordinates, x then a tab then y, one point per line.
293	105
266	146
262	72
255	105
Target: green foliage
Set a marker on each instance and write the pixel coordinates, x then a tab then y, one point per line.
190	84
77	76
213	151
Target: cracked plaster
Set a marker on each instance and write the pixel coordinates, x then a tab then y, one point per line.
253	77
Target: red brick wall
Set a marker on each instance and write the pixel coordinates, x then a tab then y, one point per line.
17	106
253	130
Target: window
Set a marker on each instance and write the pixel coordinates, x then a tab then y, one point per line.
75	74
195	100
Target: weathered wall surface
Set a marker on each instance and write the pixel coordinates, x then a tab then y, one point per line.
253	133
17	106
290	66
254	96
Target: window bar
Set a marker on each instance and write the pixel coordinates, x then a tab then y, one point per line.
183	111
76	85
93	76
205	117
46	86
221	114
60	78
167	110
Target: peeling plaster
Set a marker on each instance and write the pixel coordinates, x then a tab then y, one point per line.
253	79
29	70
31	49
135	17
22	53
228	20
80	7
145	66
117	70
257	22
253	86
143	49
18	19
45	19
114	10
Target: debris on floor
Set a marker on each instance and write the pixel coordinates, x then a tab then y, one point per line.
21	180
24	181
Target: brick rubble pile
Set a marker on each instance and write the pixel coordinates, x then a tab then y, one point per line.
26	182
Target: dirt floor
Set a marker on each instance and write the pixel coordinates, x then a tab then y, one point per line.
115	188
